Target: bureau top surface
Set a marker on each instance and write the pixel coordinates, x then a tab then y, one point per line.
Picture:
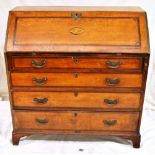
77	30
77	8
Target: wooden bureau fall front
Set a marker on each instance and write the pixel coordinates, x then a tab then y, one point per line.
77	70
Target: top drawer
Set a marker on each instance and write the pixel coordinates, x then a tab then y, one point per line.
77	62
78	31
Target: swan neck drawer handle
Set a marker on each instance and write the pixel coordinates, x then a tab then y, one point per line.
39	81
110	81
113	65
40	100
109	122
110	102
38	64
41	120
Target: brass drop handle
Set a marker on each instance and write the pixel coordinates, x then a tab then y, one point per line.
39	81
76	15
38	64
75	60
110	102
41	120
112	64
110	81
109	122
40	100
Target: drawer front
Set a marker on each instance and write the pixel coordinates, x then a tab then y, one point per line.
76	79
76	100
78	62
115	121
75	32
44	120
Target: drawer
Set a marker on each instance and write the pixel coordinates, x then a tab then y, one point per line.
114	121
80	62
76	100
76	79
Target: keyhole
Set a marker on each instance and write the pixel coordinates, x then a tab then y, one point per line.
76	75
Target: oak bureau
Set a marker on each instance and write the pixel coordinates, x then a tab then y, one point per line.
77	70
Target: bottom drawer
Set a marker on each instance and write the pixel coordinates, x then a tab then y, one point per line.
111	121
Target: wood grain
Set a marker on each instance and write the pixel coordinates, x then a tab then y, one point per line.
82	100
76	120
83	62
36	31
82	79
77	70
43	31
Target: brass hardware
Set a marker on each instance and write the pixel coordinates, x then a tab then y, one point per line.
75	93
112	64
76	75
109	122
42	120
76	15
110	102
38	64
38	81
112	81
75	59
40	100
